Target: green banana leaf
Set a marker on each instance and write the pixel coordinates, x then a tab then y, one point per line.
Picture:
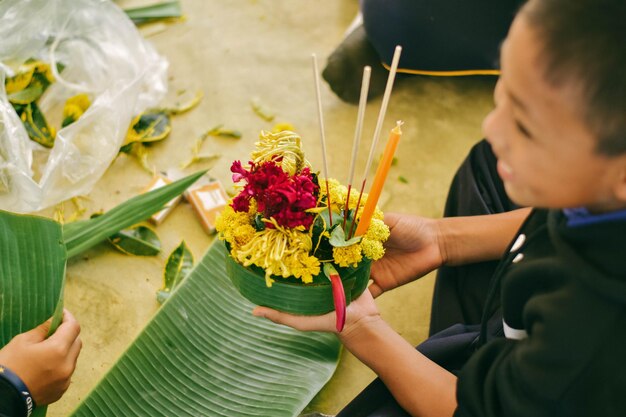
80	236
179	264
204	354
138	240
163	10
34	252
32	267
31	248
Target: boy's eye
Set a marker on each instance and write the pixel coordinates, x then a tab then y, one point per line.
522	129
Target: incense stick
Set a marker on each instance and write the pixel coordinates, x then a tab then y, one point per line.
320	119
365	84
379	124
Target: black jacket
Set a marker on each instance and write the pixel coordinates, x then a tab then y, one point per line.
563	301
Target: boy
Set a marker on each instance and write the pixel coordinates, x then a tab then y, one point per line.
559	134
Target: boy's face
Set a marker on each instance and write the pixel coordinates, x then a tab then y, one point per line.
545	151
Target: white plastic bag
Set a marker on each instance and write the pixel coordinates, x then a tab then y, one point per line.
104	56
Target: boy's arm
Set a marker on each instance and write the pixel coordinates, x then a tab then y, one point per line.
418	245
472	239
420	386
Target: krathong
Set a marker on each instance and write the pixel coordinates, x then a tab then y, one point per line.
291	234
279	227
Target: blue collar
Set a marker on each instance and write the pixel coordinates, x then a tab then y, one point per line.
580	216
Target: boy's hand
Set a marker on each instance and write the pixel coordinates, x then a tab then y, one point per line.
411	252
360	310
45	365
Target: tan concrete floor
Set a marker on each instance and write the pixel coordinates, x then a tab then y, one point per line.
232	51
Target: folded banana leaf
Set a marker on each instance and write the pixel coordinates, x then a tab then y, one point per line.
32	267
34	251
204	354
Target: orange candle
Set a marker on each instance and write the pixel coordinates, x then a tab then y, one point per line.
379	180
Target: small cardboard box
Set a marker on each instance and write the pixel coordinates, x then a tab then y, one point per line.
208	198
159	181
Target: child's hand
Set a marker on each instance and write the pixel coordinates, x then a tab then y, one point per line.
360	310
45	365
411	252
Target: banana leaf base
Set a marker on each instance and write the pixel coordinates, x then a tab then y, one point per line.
291	295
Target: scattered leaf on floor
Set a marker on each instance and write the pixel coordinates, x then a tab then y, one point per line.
261	110
154	12
150	126
183	106
208	161
179	265
225	133
138	240
139	152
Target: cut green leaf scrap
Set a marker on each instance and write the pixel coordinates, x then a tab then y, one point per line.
80	236
226	133
138	151
154	12
151	126
261	110
138	240
27	95
36	124
184	106
208	161
30	74
179	265
23	90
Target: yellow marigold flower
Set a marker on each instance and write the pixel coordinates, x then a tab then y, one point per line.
305	268
242	234
377	230
373	249
227	224
378	214
354	199
347	255
337	193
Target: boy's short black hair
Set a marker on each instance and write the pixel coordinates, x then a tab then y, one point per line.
584	42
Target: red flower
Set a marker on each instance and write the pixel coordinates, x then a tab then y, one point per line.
277	194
